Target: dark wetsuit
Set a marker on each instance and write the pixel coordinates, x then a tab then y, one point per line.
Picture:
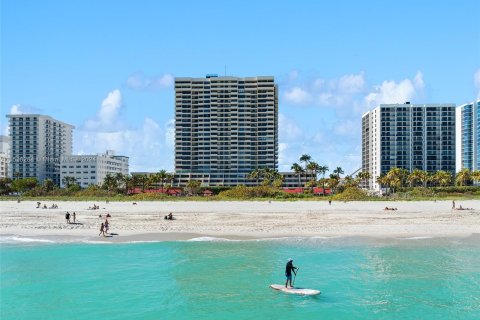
288	270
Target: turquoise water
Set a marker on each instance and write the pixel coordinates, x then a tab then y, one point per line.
359	279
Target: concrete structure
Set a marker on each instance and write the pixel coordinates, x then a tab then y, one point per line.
468	136
5	142
225	127
409	136
92	169
38	143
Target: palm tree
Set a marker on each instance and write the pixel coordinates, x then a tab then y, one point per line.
363	176
384	181
162	175
442	178
109	182
120	180
322	170
397	178
305	158
476	176
255	175
169	178
338	171
298	170
68	181
415	177
193	186
464	177
129	183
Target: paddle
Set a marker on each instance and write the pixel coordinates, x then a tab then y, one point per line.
294	277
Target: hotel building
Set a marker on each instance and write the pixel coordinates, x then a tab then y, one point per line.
37	144
408	136
92	169
225	127
468	124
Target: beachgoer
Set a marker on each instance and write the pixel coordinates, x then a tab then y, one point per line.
44	206
74	216
453	204
38	205
67	217
102	230
288	272
106	226
329	202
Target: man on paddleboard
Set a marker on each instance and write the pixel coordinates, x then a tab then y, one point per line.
288	272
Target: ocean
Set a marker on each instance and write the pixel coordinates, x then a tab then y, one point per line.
208	278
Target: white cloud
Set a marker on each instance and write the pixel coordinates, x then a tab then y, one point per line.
138	81
288	129
297	95
23	109
107	116
476	81
170	133
321	92
393	92
143	144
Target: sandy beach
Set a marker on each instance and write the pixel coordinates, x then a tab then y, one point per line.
241	220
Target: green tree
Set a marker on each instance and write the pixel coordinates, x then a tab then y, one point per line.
476	176
463	177
48	185
397	178
338	171
162	175
417	177
5	186
442	178
193	186
25	184
256	174
109	182
305	158
298	170
68	181
363	177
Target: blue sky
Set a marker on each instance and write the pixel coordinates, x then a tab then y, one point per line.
107	66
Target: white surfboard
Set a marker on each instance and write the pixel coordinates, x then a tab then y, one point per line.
294	290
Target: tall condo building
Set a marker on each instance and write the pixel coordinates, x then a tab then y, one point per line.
225	127
92	169
4	156
469	136
38	143
408	136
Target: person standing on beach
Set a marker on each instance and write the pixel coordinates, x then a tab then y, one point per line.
74	216
453	205
102	230
67	217
106	226
288	272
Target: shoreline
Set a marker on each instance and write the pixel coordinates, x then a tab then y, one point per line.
241	220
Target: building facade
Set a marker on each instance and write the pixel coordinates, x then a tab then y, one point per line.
5	142
225	127
408	136
37	144
469	136
92	169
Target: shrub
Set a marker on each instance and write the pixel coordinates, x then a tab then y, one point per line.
351	194
243	192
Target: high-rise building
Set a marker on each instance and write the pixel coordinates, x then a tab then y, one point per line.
92	169
468	155
4	156
408	136
38	143
225	127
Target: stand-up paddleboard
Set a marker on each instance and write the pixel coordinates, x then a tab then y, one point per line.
294	290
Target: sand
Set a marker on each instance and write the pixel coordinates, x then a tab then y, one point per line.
241	219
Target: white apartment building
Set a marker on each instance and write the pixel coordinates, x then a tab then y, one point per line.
4	156
225	127
37	144
408	136
92	169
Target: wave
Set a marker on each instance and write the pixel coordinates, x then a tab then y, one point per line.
208	239
18	239
416	238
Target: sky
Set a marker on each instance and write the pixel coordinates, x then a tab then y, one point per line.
108	67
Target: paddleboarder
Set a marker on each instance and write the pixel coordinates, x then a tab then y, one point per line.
288	272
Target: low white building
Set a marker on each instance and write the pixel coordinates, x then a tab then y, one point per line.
92	169
4	156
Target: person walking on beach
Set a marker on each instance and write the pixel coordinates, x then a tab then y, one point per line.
288	272
106	226
453	205
74	216
102	230
67	217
